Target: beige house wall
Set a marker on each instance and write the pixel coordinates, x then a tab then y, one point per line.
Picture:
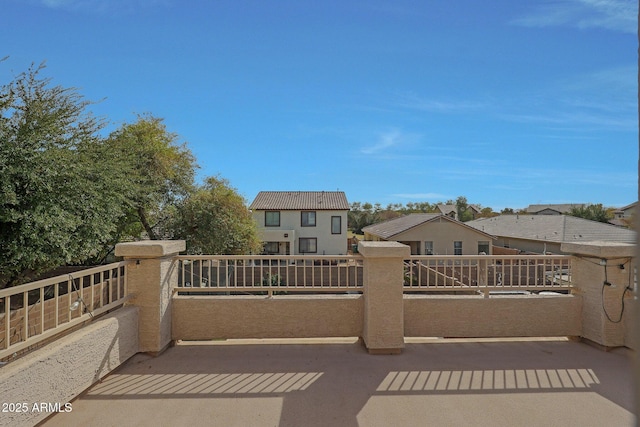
283	237
443	233
478	317
327	243
285	316
60	371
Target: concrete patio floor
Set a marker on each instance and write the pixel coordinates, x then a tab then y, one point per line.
432	383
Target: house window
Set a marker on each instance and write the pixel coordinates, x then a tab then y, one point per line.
483	247
308	219
457	248
336	225
272	219
271	248
428	248
308	245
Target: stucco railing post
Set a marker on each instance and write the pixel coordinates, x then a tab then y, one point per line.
605	317
383	331
151	276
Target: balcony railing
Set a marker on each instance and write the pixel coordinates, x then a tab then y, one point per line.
35	312
259	274
487	274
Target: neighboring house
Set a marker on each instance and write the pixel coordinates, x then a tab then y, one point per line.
626	211
302	222
624	216
545	233
558	209
432	234
475	211
452	211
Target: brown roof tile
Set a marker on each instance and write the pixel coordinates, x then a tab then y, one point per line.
300	200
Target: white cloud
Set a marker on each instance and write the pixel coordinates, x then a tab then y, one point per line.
616	15
388	140
576	121
617	84
604	99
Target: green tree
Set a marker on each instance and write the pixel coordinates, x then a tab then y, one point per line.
214	219
60	188
161	171
361	215
593	212
418	207
464	212
487	212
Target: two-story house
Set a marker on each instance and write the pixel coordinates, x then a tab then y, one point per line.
302	222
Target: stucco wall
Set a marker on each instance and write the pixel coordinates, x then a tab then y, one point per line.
443	233
478	317
631	326
588	277
60	371
328	244
210	317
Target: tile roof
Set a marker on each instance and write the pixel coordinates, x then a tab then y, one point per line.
300	200
446	209
395	226
392	227
562	208
554	228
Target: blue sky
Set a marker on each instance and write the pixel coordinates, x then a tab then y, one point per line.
506	102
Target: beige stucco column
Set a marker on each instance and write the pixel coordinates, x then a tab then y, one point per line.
383	331
150	278
606	318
